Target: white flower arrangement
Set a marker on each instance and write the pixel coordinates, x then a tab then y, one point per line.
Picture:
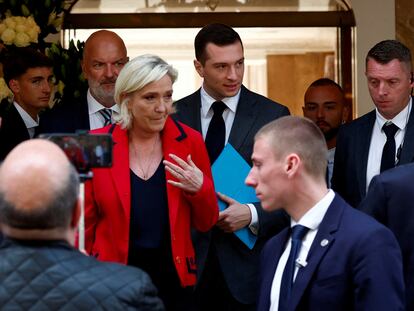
19	30
5	92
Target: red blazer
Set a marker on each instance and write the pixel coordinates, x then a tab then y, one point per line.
108	201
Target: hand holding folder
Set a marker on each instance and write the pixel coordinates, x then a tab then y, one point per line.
229	172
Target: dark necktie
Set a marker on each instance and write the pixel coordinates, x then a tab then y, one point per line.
388	153
216	133
298	232
106	113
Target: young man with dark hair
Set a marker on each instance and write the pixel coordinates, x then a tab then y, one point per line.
225	111
332	256
384	137
29	75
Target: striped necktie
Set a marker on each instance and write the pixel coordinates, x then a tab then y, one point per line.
106	113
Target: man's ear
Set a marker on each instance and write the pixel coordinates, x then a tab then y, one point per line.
76	214
199	68
14	86
292	162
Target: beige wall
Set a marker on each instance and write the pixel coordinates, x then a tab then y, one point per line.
375	20
405	22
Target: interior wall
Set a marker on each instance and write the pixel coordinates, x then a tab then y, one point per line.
299	71
405	22
374	22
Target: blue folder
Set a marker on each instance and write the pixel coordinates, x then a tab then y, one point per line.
229	172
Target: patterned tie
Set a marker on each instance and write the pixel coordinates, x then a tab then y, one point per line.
298	232
388	153
106	113
216	133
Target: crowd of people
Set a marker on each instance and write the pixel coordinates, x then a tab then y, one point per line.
332	221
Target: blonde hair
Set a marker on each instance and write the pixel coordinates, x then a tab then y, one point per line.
136	74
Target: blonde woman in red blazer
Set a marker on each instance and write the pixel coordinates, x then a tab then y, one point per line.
149	144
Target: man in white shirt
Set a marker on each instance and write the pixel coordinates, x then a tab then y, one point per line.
104	56
29	75
226	268
324	104
344	259
362	148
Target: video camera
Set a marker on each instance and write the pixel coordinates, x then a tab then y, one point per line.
84	150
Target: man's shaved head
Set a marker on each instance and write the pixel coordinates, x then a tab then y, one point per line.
38	187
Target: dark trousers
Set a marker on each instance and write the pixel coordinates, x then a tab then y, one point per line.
212	292
160	267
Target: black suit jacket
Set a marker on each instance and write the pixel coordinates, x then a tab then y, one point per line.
65	118
12	130
239	264
390	200
351	156
51	275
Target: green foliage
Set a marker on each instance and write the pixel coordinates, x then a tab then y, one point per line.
71	84
48	14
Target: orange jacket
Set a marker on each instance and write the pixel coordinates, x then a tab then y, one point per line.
108	201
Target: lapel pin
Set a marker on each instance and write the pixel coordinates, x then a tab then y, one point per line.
324	242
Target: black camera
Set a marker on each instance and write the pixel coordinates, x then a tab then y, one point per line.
84	150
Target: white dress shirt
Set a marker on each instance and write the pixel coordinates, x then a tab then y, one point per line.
228	115
378	140
96	120
312	219
27	119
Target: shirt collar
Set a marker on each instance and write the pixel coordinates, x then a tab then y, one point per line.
313	217
94	106
207	101
27	119
399	120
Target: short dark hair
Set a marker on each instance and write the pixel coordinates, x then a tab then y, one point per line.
16	63
388	50
326	82
56	213
216	33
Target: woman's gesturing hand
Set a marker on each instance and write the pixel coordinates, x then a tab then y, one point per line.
188	175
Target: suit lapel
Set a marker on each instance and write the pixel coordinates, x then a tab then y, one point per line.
278	246
246	115
83	116
362	151
120	169
407	152
190	108
325	237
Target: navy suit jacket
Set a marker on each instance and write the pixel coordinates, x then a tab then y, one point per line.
65	118
239	264
351	156
358	269
12	130
390	200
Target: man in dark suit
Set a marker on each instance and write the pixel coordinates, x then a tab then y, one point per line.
360	144
104	56
333	257
28	74
324	104
227	269
39	269
390	200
